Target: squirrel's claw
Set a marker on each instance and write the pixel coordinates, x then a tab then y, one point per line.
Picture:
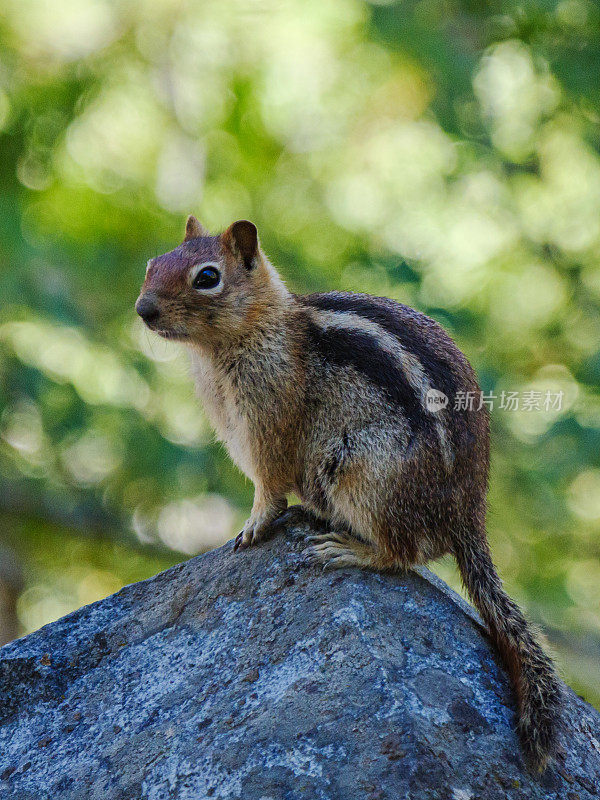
239	542
246	538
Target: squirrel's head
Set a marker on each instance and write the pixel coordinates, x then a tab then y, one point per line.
211	288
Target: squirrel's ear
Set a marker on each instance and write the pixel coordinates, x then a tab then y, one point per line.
242	239
193	229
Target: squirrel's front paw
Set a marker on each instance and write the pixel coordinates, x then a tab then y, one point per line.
254	530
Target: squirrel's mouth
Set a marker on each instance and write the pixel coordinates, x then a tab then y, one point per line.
169	333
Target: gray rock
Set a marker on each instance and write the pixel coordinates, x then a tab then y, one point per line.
255	676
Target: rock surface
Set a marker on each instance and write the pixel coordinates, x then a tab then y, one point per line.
255	676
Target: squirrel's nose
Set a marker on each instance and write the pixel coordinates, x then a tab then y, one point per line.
147	308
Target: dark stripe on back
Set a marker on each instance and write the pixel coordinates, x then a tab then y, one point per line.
351	348
387	314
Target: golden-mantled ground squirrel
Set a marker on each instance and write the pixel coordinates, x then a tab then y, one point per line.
325	396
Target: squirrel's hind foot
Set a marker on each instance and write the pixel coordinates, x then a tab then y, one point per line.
339	550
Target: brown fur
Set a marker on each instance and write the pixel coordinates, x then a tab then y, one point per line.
324	396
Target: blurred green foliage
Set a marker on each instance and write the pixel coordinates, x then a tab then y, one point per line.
444	153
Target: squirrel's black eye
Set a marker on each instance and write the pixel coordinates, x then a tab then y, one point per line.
207	278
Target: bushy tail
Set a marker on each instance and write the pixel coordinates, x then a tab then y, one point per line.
532	672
